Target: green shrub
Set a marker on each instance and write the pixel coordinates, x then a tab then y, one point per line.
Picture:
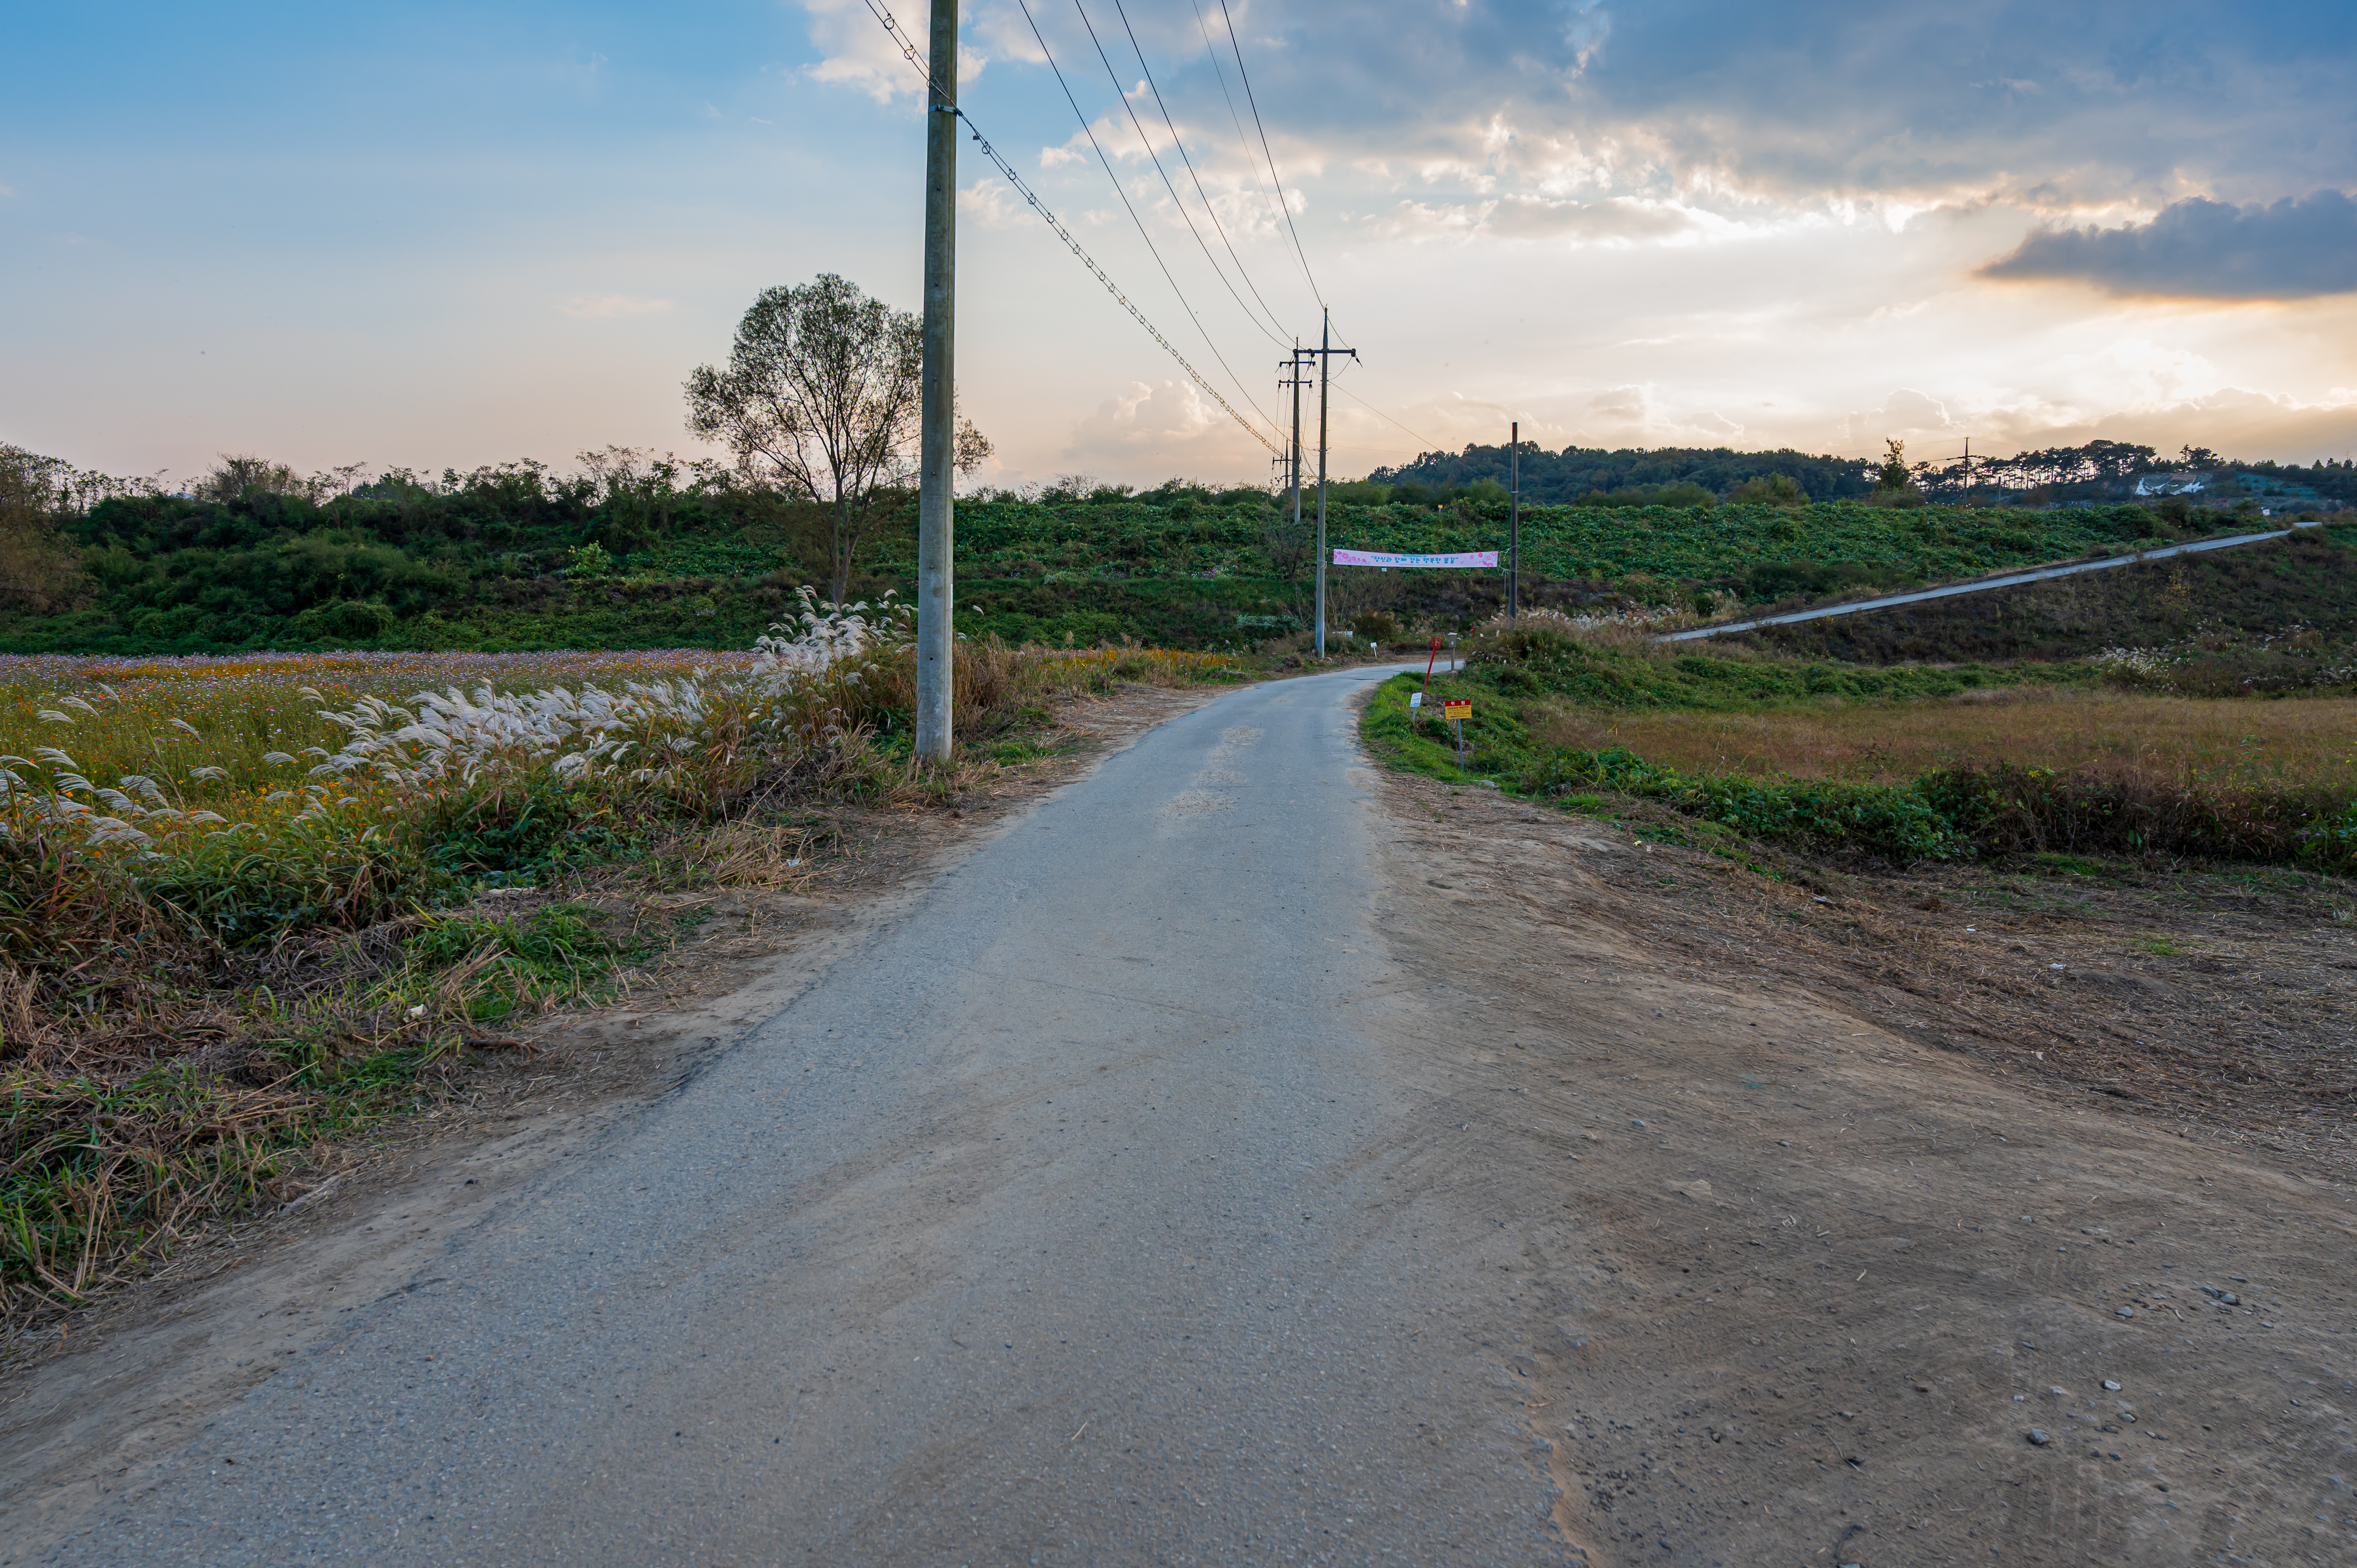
2006	809
514	830
1526	660
556	952
1943	814
248	889
1894	823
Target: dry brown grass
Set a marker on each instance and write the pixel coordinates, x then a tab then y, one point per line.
766	857
2219	743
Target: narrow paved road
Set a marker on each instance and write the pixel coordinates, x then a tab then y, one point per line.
1058	1226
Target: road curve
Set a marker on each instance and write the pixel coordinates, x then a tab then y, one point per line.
1984	584
1058	1226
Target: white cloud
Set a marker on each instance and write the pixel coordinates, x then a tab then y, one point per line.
992	204
1621	217
1906	412
2237	421
1171	426
857	52
1623	220
1633	415
2154	374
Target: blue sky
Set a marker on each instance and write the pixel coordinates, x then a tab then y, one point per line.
438	235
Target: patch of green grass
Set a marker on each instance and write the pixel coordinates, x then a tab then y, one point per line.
557	953
1536	661
1514	674
1009	752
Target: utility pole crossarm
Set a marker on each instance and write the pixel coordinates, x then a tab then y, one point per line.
1324	354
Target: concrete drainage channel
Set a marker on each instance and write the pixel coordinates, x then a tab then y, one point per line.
2013	580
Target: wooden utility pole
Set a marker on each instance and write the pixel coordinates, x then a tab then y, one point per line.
1514	519
937	443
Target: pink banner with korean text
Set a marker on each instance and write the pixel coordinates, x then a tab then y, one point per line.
1378	558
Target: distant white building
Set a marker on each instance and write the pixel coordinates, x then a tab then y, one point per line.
2173	484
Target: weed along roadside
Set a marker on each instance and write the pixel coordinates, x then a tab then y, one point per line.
250	910
1547	677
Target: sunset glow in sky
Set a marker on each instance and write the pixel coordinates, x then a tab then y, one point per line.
434	235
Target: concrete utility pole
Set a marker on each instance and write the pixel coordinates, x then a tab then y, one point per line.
1325	375
1293	380
1324	354
937	440
1514	519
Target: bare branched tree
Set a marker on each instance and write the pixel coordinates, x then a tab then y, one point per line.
240	475
819	400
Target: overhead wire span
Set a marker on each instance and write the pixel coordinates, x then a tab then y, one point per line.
1234	117
1146	141
1275	330
908	49
1106	161
1285	206
1429	445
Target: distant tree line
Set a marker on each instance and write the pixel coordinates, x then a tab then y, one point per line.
1693	476
1627	474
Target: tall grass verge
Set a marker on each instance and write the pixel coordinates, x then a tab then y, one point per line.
1535	687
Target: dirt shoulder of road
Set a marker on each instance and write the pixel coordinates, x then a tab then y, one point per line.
1816	1258
89	1401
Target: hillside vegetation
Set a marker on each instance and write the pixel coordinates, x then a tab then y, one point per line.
2265	619
635	555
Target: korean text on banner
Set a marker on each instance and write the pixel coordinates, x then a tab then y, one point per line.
1378	558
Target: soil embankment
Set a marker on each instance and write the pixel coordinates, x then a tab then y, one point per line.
1818	1272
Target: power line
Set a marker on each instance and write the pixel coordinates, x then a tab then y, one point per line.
1107	164
1279	183
1429	445
1276	201
1147	142
1235	118
1274	331
909	51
